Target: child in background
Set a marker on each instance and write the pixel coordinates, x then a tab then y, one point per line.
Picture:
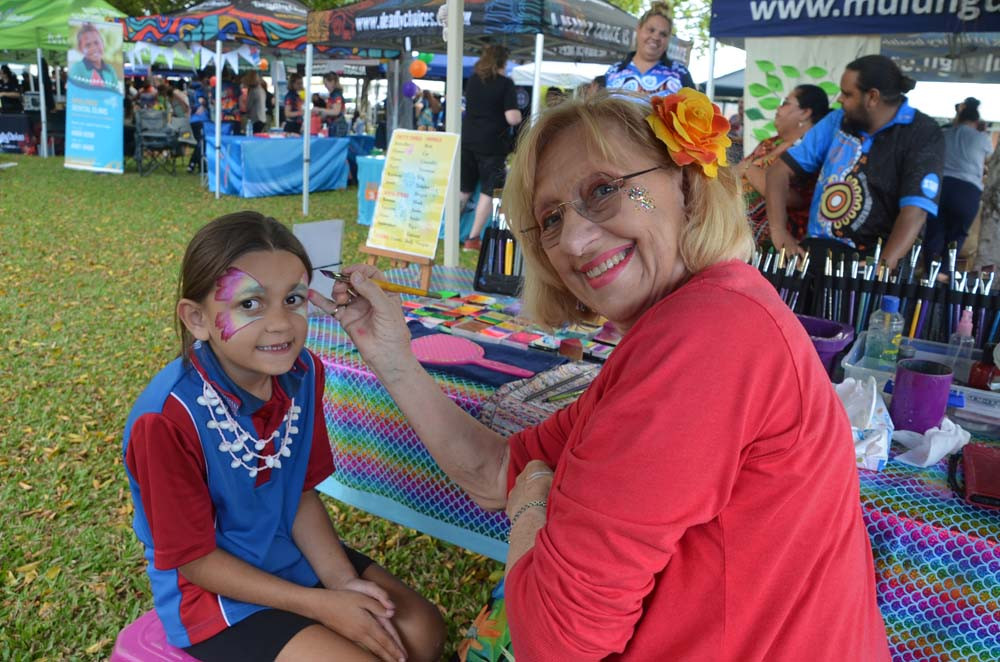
223	451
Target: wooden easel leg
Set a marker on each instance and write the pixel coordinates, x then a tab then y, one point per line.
425	277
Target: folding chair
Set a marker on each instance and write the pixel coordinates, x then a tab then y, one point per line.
155	142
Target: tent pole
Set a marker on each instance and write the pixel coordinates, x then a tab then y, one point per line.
394	116
536	85
453	124
710	85
44	151
218	118
306	130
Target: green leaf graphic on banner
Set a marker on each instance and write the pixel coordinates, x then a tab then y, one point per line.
770	128
766	66
761	134
754	114
790	72
831	89
770	103
775	83
758	90
816	72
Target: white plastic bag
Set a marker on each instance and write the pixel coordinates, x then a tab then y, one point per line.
870	421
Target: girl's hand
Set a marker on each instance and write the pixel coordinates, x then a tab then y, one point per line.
373	320
533	484
354	612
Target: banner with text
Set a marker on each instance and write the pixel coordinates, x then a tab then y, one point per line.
94	97
411	197
774	18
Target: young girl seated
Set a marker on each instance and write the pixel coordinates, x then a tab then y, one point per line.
223	451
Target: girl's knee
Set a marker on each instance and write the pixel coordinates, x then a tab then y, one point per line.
423	629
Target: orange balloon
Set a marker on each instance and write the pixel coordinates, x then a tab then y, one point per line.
211	81
418	68
264	64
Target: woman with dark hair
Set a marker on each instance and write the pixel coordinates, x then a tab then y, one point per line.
10	91
293	105
490	111
801	109
965	152
647	70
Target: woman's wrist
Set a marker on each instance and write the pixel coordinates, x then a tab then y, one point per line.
526	507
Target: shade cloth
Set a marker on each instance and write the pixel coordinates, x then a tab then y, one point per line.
258	167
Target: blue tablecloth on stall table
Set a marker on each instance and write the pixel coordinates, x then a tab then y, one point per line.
370	178
258	167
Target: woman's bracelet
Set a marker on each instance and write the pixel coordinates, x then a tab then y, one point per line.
523	509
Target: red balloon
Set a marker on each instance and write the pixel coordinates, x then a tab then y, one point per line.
418	68
211	81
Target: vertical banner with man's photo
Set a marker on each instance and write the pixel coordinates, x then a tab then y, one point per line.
95	97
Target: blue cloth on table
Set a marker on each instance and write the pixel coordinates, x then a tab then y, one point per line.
258	167
529	359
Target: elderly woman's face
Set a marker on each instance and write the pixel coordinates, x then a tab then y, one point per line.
628	261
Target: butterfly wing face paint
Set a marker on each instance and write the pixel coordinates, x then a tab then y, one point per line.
302	291
236	285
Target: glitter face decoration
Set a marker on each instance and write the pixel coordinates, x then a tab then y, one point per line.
640	196
236	285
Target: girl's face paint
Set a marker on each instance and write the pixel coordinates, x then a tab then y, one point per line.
301	293
239	292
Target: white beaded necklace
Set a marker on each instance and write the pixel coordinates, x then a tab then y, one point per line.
245	442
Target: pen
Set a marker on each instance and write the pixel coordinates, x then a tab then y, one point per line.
383	285
565	395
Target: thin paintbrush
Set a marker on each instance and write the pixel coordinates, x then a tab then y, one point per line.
383	285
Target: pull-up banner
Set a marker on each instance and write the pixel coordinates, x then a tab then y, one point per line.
772	18
94	97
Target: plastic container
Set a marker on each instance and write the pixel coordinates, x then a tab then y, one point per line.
960	343
982	408
829	338
885	331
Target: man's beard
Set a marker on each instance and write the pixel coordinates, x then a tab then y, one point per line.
856	125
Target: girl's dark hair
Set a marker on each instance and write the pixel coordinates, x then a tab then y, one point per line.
815	99
880	73
970	110
221	242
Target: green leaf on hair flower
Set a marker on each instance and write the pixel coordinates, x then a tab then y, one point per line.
758	90
754	114
761	134
832	89
816	72
766	66
774	83
790	71
770	103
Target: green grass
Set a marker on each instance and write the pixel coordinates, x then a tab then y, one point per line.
88	269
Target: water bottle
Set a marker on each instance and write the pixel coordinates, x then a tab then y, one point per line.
960	344
885	331
249	129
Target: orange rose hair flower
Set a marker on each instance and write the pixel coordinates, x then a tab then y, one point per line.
692	128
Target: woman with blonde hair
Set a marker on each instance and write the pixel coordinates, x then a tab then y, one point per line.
700	500
647	70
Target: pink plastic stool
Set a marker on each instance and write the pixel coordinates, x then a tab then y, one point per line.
144	640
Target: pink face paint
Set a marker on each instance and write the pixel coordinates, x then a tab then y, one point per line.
235	285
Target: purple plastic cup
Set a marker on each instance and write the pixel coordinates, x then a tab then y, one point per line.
920	394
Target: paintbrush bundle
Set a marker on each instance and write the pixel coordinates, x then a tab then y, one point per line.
850	288
500	269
